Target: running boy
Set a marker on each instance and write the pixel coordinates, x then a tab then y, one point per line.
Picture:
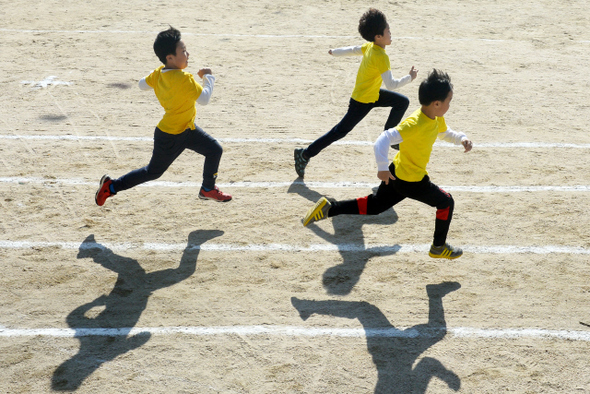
415	136
367	94
177	92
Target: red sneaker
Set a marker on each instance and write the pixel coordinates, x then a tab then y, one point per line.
104	191
214	194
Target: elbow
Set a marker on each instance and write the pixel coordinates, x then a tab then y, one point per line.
203	100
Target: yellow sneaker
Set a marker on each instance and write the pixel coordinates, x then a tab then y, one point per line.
445	252
318	212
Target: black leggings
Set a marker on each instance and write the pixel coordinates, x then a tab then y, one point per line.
397	190
167	147
356	112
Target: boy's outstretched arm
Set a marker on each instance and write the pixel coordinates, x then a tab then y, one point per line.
208	83
391	83
347	51
457	138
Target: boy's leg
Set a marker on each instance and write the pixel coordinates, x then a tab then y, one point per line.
430	194
386	197
166	150
398	103
167	147
373	204
202	143
356	112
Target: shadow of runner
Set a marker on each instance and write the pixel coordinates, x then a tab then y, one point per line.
122	308
341	279
394	351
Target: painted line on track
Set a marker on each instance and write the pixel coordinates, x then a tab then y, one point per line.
271	36
311	185
295	331
509	145
254	248
235	35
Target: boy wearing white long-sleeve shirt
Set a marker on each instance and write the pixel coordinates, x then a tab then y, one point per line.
406	176
177	92
374	71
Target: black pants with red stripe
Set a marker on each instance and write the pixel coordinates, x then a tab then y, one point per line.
394	192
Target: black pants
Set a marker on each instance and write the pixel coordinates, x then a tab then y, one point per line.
167	147
356	112
394	192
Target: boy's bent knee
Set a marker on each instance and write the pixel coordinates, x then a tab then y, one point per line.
405	102
215	149
446	200
445	208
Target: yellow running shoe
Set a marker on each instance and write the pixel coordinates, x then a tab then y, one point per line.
445	252
318	212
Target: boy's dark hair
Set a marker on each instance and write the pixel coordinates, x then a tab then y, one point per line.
166	42
372	23
435	87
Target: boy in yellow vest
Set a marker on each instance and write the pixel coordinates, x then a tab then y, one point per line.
374	71
177	91
407	175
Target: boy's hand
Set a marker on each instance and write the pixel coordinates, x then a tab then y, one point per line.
385	176
413	73
204	71
467	144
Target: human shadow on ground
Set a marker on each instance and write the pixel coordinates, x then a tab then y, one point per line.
341	279
395	351
121	309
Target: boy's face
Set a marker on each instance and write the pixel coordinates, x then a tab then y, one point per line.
180	59
441	107
385	39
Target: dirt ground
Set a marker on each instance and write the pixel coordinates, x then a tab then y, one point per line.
349	305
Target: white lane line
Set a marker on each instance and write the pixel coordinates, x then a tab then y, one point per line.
345	247
509	145
312	185
55	31
294	331
322	36
280	36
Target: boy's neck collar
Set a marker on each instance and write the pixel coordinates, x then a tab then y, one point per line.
426	110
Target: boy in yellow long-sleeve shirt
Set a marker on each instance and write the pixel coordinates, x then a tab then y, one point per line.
374	71
407	175
177	91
